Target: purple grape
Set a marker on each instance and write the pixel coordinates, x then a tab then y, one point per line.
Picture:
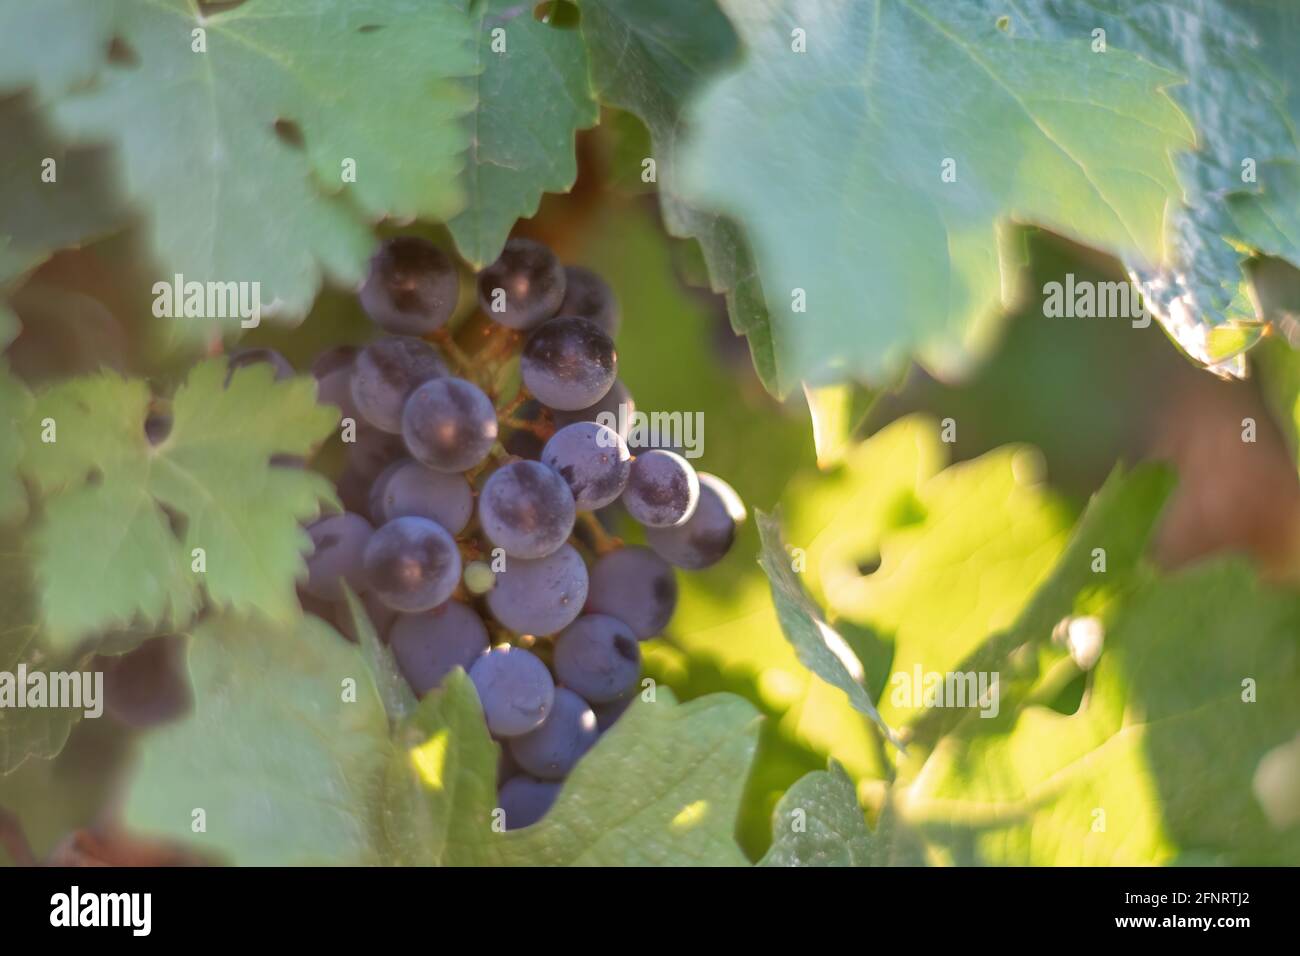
706	536
431	645
515	689
525	800
608	714
531	281
552	749
449	424
412	564
636	586
662	489
386	372
526	509
569	363
593	461
412	287
598	657
338	543
588	296
333	373
407	488
373	451
540	597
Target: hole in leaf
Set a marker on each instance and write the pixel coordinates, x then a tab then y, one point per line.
1071	696
94	477
561	14
121	53
157	426
289	132
1004	23
869	564
370	28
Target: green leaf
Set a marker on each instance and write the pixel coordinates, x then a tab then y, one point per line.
650	57
661	788
290	770
106	552
236	155
820	648
819	823
533	96
836	412
399	702
28	731
284	766
1165	730
833	161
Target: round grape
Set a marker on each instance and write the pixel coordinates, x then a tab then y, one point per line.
662	489
608	714
449	424
412	287
598	657
705	537
593	461
569	363
526	509
429	646
332	370
479	577
338	543
636	586
386	372
552	749
412	564
373	451
407	488
525	800
515	689
588	296
540	597
524	287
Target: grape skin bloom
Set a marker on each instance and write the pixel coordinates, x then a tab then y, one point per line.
431	645
550	751
636	586
540	597
407	488
385	373
412	564
593	461
569	363
412	287
449	424
526	509
598	657
339	541
515	689
531	283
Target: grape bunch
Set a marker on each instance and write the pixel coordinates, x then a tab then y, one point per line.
478	517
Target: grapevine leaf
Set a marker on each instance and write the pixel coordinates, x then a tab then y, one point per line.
393	689
106	554
1196	684
28	731
533	95
284	763
661	788
900	141
819	823
820	648
650	58
236	130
